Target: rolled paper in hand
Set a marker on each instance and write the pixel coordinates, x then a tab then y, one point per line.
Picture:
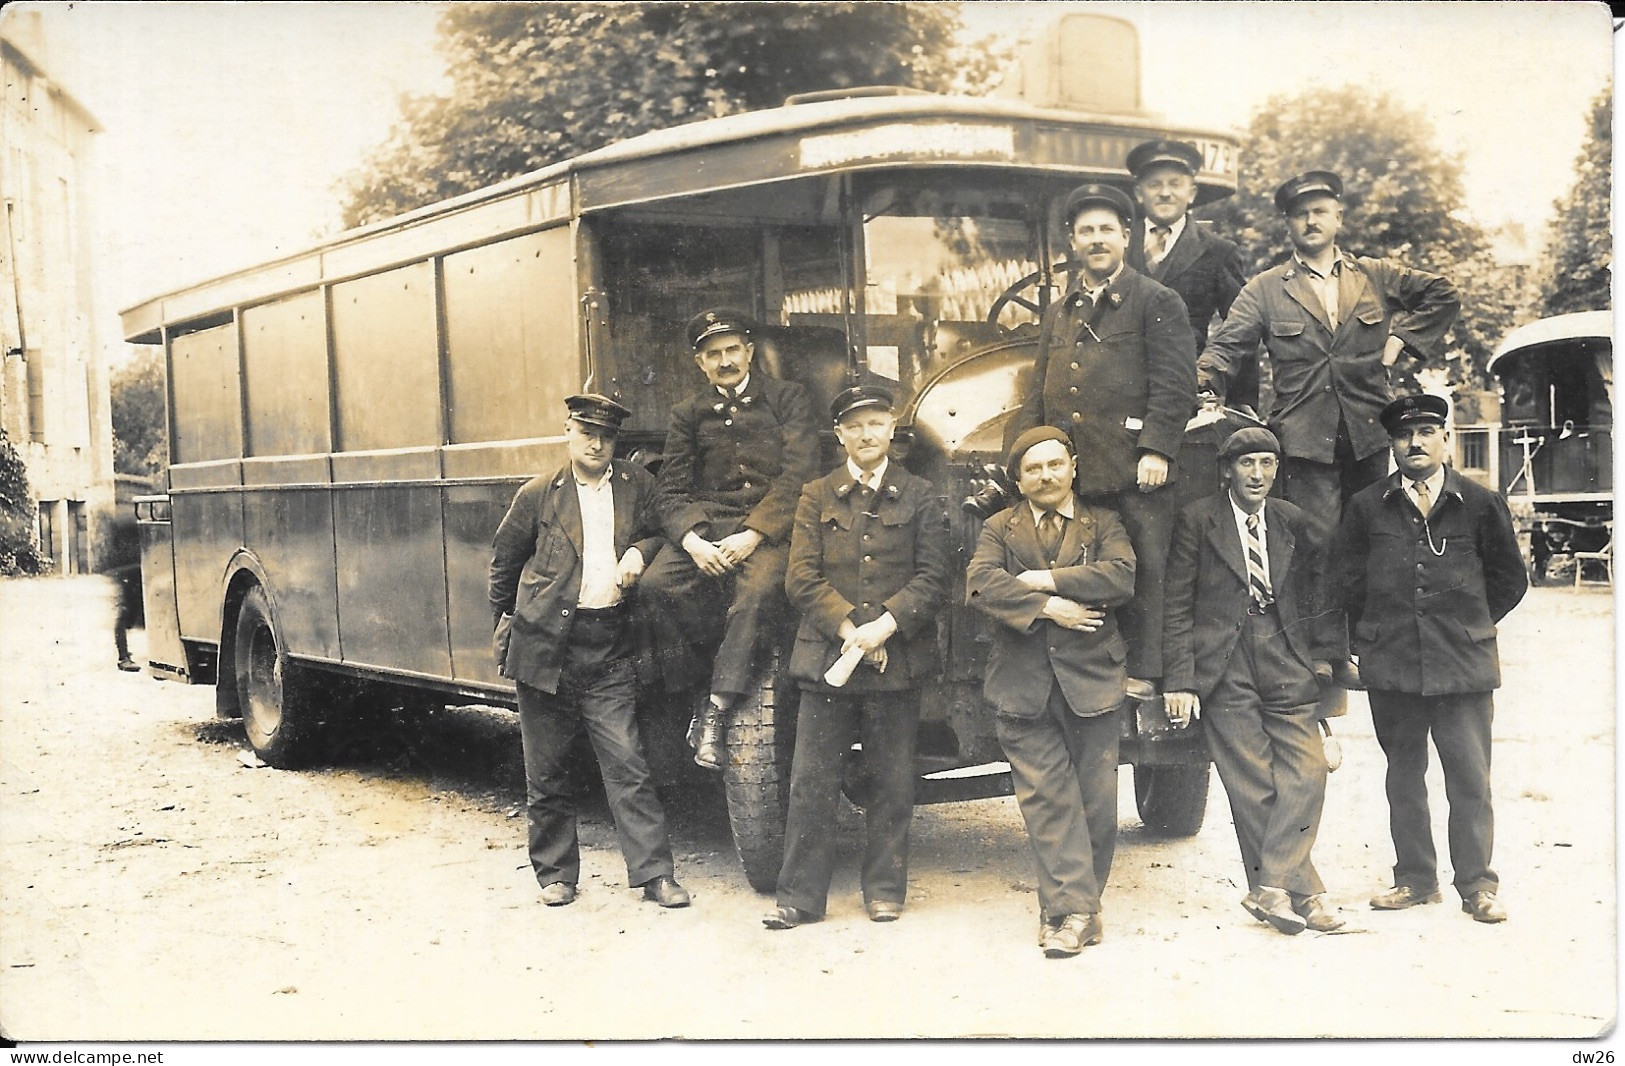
1334	750
838	674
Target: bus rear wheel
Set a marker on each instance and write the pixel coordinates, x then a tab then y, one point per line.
1172	800
756	774
275	695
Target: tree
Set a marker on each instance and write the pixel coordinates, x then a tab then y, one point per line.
535	83
1402	199
18	553
140	426
1579	252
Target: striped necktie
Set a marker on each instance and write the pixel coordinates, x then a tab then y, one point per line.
1258	582
1156	244
1050	534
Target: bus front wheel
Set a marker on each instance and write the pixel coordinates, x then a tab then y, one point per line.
756	774
275	695
1172	799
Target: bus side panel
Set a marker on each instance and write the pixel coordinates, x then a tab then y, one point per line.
472	515
392	577
291	532
208	528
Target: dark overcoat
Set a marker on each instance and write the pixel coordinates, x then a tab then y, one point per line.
536	566
1423	597
847	561
1095	566
1203	268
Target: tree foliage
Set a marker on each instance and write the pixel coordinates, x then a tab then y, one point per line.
1579	253
18	553
140	426
535	83
1402	199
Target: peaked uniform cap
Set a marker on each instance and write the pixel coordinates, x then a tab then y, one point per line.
1181	154
595	409
1323	182
710	322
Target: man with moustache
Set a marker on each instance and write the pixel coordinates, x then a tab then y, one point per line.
736	457
1241	593
1426	564
566	555
1048	571
868	571
1173	249
1116	371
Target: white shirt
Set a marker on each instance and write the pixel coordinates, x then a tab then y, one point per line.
1327	284
1435	484
598	564
1094	294
871	478
739	389
1263	533
1175	228
1066	510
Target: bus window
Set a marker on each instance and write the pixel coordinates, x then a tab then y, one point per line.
385	349
285	370
204	381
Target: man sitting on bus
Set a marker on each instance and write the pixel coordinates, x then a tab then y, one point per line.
736	457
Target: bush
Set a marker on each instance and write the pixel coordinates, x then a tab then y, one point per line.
18	553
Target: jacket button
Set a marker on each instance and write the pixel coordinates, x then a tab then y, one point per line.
868	558
727	421
1075	365
565	612
1073	390
1077	416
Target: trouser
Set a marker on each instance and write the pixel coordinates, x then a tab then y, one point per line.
127	612
1265	740
1322	489
886	723
1460	726
1064	769
596	694
684	606
1148	518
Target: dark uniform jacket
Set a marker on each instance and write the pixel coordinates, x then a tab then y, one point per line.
1207	594
1095	566
536	566
848	561
1204	269
1423	609
1321	376
1121	379
737	463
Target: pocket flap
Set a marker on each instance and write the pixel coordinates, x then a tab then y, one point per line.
1480	633
1371	317
1286	329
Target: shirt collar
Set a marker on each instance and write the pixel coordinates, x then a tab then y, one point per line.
1336	267
1067	509
1242	516
879	472
1175	228
1435	484
739	390
1094	294
603	479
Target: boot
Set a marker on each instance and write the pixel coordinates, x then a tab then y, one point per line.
705	736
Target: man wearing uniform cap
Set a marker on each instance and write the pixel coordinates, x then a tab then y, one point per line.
1116	370
1050	571
566	556
1426	563
1172	248
868	571
1243	581
736	457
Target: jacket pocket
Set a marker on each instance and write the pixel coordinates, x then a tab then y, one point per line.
1286	329
1479	634
1372	317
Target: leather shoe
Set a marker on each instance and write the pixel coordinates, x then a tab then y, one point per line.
1276	906
128	665
558	893
1484	907
789	918
666	891
1047	928
1346	675
884	910
1312	909
1249	902
705	735
1138	688
1076	932
1402	896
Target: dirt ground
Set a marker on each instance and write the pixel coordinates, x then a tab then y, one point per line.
154	887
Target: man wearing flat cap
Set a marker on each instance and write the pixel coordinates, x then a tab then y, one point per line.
1426	563
1172	248
1242	586
1116	371
1050	571
736	457
565	558
868	571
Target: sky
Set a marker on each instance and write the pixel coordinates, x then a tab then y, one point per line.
228	127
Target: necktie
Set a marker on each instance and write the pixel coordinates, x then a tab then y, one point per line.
1258	582
1423	502
1049	534
1156	244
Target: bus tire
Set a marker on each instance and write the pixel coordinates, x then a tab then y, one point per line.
279	717
1172	800
756	774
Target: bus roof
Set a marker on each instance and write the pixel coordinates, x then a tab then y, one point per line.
802	139
1577	325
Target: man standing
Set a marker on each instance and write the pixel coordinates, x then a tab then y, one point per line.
1173	249
1116	370
1242	577
1047	570
868	571
1427	563
569	549
736	457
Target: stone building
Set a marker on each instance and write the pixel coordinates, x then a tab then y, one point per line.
54	382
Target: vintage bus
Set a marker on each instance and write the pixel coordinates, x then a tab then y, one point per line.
348	424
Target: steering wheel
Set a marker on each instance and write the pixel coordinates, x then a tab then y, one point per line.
1012	295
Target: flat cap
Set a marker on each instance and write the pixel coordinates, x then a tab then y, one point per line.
710	322
597	410
859	397
1106	196
1247	440
1417	407
1036	435
1323	182
1181	154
